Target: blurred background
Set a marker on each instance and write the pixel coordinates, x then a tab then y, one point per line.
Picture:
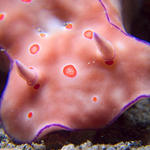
136	18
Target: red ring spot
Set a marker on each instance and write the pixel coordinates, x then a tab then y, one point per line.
34	48
69	71
42	35
2	16
30	67
26	1
69	26
30	114
109	62
94	99
88	34
36	86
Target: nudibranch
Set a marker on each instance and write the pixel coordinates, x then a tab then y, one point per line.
74	66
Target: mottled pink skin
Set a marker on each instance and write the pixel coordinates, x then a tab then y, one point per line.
62	101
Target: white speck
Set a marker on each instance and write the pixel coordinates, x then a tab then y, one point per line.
55	25
50	24
93	61
118	93
120	45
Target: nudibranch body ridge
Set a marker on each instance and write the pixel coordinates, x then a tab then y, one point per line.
73	78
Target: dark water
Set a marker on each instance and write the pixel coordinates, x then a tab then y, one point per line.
136	18
5	66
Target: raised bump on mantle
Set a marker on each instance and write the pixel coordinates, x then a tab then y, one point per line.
28	74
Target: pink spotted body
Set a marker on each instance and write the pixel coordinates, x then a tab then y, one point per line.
80	81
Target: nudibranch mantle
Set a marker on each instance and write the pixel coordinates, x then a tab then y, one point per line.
75	77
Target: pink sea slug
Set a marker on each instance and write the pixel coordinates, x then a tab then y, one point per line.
74	66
